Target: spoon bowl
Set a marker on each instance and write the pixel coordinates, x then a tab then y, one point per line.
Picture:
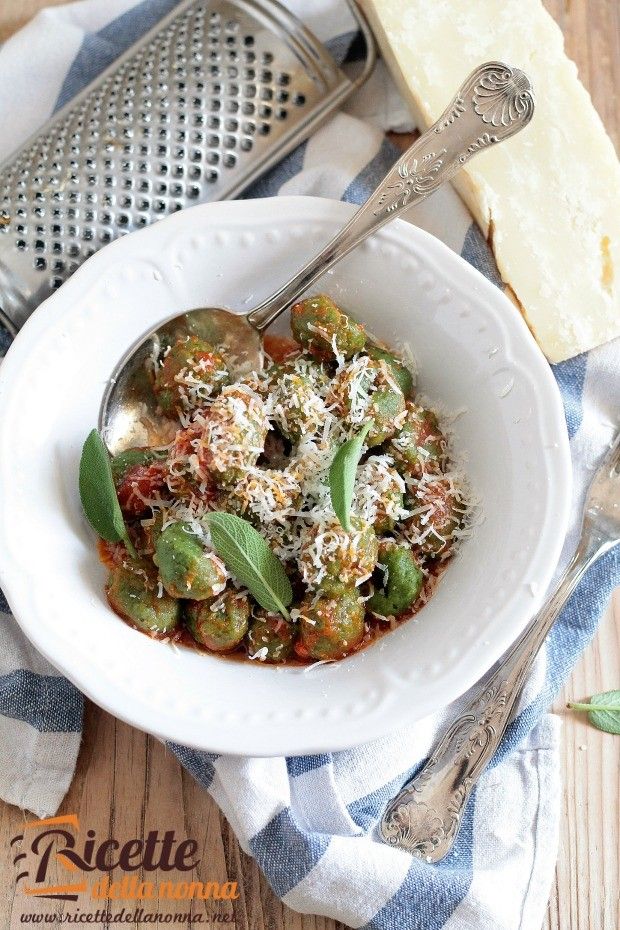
129	415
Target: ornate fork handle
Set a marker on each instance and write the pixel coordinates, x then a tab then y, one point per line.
493	104
426	814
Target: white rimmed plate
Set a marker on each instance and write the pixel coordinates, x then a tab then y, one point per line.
474	354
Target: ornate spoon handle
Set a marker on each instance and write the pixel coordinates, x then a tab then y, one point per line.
493	104
425	816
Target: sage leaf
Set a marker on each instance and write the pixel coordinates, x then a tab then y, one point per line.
248	557
603	711
98	494
342	474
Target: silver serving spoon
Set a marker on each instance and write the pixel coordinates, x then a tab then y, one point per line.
493	104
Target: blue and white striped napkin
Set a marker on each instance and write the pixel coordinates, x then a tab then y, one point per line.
310	821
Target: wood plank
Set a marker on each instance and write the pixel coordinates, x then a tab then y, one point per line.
586	894
16	13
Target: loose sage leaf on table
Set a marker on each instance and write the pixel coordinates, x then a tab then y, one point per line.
342	474
249	558
603	711
98	494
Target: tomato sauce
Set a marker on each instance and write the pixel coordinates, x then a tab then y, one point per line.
279	348
112	554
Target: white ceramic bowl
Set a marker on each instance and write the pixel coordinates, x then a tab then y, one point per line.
474	353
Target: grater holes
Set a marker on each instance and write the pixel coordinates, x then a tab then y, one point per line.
231	93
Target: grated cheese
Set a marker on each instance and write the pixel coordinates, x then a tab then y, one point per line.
223	437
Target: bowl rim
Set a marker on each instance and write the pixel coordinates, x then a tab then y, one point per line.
302	209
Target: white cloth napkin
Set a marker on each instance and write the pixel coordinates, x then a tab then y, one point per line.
310	821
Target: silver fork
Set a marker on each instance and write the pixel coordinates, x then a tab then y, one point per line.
426	814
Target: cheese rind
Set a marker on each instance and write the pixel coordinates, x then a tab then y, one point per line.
549	199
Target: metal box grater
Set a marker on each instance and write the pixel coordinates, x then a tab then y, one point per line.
195	111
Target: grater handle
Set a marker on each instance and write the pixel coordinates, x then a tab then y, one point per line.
494	103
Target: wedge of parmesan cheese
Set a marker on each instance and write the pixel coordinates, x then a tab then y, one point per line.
548	200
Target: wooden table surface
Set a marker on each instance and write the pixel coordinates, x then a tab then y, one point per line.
127	783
